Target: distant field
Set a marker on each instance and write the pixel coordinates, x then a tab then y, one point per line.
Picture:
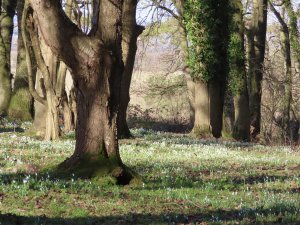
186	181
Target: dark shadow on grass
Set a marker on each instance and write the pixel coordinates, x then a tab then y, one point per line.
160	126
183	138
244	216
11	129
189	179
205	178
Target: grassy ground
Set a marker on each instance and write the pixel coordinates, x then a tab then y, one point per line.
186	181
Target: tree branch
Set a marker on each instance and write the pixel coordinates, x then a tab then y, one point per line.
32	90
58	31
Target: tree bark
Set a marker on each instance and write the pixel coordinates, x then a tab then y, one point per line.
130	34
202	126
216	106
237	73
97	68
6	29
191	96
228	115
256	43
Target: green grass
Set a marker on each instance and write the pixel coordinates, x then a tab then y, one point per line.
186	181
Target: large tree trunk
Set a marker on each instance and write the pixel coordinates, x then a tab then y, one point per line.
130	33
228	115
21	104
256	43
202	109
216	105
6	29
237	73
97	68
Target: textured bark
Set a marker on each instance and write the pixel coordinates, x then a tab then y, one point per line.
21	104
47	64
241	130
237	73
256	44
40	110
191	96
228	115
130	33
67	113
202	109
97	67
216	106
6	30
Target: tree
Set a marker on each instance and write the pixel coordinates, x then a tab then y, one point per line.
237	72
206	23
21	103
294	32
286	40
6	30
96	64
256	44
49	90
130	33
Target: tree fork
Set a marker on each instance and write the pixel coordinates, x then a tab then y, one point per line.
95	61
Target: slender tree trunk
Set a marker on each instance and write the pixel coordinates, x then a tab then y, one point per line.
21	104
256	42
131	31
6	29
294	33
288	91
237	73
287	101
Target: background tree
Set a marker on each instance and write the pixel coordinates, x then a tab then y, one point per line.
130	34
256	50
287	102
237	72
207	29
6	30
21	104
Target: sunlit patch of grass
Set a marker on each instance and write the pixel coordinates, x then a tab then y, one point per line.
185	181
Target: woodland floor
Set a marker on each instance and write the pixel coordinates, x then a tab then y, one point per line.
186	181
